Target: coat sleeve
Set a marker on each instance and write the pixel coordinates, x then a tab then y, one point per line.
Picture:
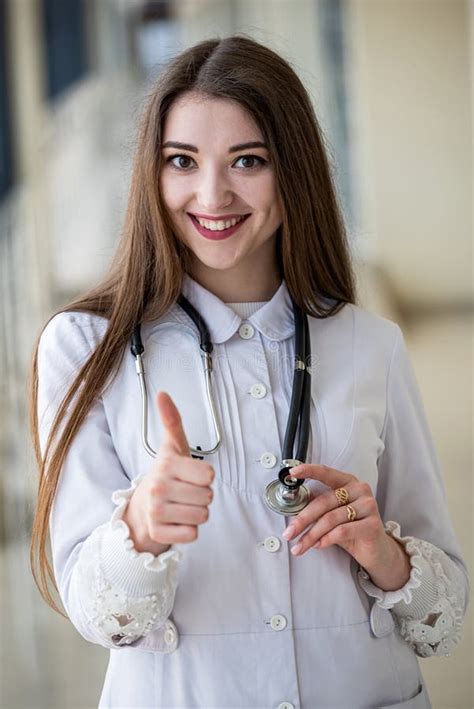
114	595
430	608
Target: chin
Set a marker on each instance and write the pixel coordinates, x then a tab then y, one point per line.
216	254
218	265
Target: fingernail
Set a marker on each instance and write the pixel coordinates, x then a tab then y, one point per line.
296	548
289	531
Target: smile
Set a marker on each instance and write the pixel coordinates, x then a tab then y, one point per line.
218	229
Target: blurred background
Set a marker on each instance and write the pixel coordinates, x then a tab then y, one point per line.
391	82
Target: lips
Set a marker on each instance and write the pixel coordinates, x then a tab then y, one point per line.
224	217
217	235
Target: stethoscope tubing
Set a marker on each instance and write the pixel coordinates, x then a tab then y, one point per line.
300	396
138	350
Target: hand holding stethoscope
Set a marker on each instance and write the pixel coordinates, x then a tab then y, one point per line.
347	514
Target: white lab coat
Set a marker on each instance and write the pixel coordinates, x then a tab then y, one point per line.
236	620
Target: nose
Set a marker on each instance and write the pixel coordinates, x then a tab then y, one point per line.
214	191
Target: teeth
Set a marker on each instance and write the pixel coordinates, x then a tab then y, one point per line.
218	225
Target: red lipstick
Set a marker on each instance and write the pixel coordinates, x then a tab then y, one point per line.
217	235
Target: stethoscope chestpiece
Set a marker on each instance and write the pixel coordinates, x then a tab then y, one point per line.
287	495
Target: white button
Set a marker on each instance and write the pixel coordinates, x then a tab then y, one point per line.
170	636
246	331
268	460
278	622
286	705
272	544
258	391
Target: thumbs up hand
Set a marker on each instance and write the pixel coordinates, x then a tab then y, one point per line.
173	499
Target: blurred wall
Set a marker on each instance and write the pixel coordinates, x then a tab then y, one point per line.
412	85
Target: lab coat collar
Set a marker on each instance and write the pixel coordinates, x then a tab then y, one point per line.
274	319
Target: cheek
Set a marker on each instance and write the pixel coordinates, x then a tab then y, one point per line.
172	193
277	214
268	197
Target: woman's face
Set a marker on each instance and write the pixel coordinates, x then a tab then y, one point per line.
215	176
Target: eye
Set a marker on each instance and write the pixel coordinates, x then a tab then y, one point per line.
259	160
180	158
182	165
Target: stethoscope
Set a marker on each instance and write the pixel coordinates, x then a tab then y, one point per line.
285	495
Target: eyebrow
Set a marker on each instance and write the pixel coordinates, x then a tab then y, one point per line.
232	149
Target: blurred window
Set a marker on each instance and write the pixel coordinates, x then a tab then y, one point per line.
6	166
333	20
64	33
157	36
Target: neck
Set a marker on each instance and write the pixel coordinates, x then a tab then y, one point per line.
239	285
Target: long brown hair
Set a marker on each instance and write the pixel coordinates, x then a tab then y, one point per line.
146	274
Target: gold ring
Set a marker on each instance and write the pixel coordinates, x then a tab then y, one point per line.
342	495
351	513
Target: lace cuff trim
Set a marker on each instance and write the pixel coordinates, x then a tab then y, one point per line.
117	618
429	607
126	594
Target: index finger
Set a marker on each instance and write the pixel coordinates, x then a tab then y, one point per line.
329	476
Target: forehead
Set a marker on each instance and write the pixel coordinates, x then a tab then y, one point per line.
208	120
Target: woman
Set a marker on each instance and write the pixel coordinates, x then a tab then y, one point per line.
186	566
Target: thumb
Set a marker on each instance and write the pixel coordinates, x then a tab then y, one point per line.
172	424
